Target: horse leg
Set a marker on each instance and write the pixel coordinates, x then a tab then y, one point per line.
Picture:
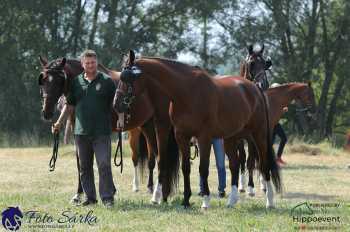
250	167
231	151
151	165
242	163
184	144
204	152
148	131
76	199
162	133
260	141
134	136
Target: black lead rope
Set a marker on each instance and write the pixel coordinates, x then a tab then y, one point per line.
196	152
119	147
56	140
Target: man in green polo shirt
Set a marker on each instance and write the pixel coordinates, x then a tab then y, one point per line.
91	95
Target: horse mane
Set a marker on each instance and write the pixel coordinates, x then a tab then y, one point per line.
177	63
243	69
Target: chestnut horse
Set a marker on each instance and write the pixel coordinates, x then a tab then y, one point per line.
278	98
207	108
55	80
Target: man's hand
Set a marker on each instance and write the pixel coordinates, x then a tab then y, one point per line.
56	128
285	109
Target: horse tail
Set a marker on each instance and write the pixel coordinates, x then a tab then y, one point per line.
171	164
271	161
142	154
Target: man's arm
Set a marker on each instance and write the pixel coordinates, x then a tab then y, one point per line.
67	110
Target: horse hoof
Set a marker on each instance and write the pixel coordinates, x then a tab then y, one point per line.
135	190
241	190
270	207
186	205
250	191
76	199
150	190
206	202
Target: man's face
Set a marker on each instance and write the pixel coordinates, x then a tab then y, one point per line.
89	64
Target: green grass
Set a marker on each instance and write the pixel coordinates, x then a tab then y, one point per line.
25	181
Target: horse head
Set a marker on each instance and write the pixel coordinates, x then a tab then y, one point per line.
307	98
128	88
51	81
255	65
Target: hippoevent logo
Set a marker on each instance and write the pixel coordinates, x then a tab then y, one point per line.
316	216
12	218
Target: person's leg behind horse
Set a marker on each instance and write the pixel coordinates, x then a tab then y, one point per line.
218	146
278	130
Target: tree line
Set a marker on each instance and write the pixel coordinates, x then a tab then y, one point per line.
308	40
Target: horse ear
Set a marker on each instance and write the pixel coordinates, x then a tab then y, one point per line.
63	62
43	61
262	49
131	57
309	84
250	49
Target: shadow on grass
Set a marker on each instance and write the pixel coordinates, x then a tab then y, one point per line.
308	167
308	196
173	205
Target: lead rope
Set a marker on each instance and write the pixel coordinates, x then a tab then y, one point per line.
119	147
52	163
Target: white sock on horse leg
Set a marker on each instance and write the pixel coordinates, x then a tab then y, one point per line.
250	191
157	194
269	195
241	182
206	202
135	183
262	183
233	197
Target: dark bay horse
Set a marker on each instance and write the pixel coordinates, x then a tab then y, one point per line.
207	108
55	80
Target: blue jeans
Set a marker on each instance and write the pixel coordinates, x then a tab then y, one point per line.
219	152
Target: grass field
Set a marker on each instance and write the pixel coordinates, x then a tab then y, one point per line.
314	174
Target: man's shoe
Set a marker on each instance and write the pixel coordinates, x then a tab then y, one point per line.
89	202
108	204
222	194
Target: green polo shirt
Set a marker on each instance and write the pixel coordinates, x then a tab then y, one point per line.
92	101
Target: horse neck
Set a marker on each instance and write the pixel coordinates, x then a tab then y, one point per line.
280	97
174	82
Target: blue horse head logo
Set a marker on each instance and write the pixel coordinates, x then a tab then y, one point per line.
12	218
